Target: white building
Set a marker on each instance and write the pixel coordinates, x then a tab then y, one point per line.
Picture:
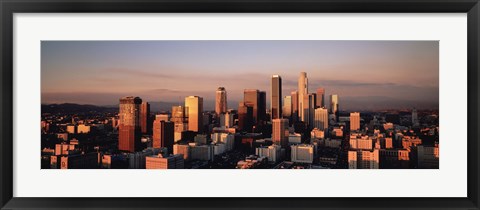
295	138
302	153
272	152
226	138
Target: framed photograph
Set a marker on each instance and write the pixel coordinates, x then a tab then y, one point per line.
239	104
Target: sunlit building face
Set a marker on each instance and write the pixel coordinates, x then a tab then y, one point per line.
220	101
194	105
129	131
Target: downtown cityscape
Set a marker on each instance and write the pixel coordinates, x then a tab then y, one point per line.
289	121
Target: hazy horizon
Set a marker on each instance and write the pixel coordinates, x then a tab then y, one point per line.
365	74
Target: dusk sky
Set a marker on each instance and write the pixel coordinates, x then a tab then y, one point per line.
365	74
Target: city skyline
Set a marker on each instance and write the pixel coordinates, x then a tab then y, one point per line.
262	128
404	73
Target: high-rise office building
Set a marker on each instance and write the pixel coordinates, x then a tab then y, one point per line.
251	99
163	134
245	117
321	119
220	101
320	97
295	103
280	132
287	107
129	131
257	100
302	92
354	121
309	103
334	109
276	97
180	120
262	107
144	115
194	105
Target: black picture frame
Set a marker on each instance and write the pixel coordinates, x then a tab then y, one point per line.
9	7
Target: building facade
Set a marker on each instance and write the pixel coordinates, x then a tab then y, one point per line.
220	101
280	132
194	105
276	97
129	130
354	121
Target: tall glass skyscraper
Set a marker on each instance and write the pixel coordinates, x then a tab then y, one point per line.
302	92
194	105
276	100
220	101
320	98
129	129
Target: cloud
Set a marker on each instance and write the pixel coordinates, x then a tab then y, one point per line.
137	73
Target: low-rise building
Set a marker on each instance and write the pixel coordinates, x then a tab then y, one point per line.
302	153
362	159
167	162
271	152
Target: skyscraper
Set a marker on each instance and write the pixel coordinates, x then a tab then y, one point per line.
321	119
262	107
320	97
354	121
334	106
220	101
180	120
309	101
245	117
280	132
129	131
194	105
276	100
144	115
302	91
257	100
295	102
287	107
163	134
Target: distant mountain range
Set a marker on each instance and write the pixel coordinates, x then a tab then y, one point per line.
346	103
75	108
